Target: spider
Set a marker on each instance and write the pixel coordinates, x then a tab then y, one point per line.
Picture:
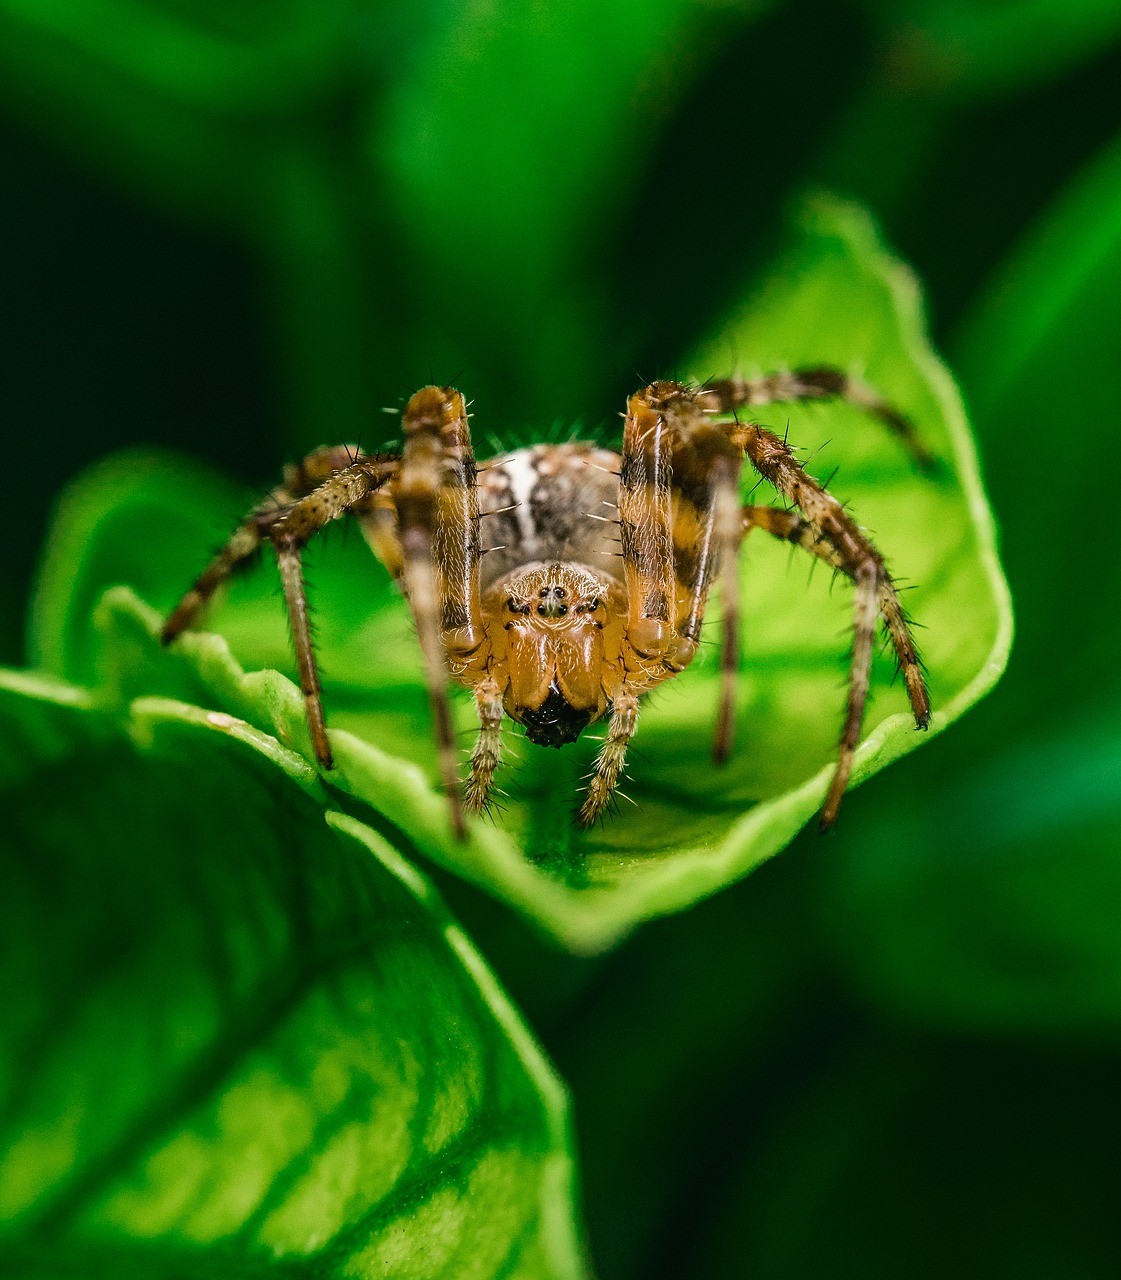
596	588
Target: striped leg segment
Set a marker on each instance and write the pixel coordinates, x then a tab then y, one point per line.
864	629
288	559
820	382
438	521
646	514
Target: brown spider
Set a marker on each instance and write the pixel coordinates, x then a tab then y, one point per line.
597	589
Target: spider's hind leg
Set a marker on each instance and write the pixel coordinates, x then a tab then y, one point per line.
333	481
246	540
819	382
826	529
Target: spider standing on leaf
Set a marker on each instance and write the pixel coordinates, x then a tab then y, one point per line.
595	589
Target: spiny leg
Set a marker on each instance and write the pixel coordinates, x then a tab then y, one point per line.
289	525
820	382
243	544
488	743
828	531
832	534
864	630
345	490
671	440
438	516
791	527
300	479
611	758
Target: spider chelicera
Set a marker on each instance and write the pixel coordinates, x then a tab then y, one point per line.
595	590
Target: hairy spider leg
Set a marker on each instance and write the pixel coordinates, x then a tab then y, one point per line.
831	526
345	490
789	526
328	483
437	505
300	479
821	382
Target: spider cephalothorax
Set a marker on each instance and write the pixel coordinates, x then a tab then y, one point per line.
600	564
552	637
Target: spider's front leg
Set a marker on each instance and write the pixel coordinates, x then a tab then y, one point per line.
437	505
679	521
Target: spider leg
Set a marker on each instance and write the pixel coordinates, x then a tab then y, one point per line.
438	518
299	480
821	382
243	544
484	757
790	527
646	517
680	513
332	482
345	490
832	534
611	758
288	559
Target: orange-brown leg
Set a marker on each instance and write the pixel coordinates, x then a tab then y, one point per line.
438	521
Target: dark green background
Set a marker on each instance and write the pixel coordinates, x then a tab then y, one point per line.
892	1052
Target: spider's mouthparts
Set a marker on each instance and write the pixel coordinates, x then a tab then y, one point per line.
556	721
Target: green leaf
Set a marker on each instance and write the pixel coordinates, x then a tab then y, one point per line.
976	46
834	297
242	1037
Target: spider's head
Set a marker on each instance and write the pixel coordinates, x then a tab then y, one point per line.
553	617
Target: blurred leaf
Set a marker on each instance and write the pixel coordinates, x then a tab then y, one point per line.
212	57
926	1159
507	154
991	46
994	905
834	297
1039	359
240	1039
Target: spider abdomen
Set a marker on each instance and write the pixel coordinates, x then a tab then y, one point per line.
550	503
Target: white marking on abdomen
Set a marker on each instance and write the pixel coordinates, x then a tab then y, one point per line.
522	477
